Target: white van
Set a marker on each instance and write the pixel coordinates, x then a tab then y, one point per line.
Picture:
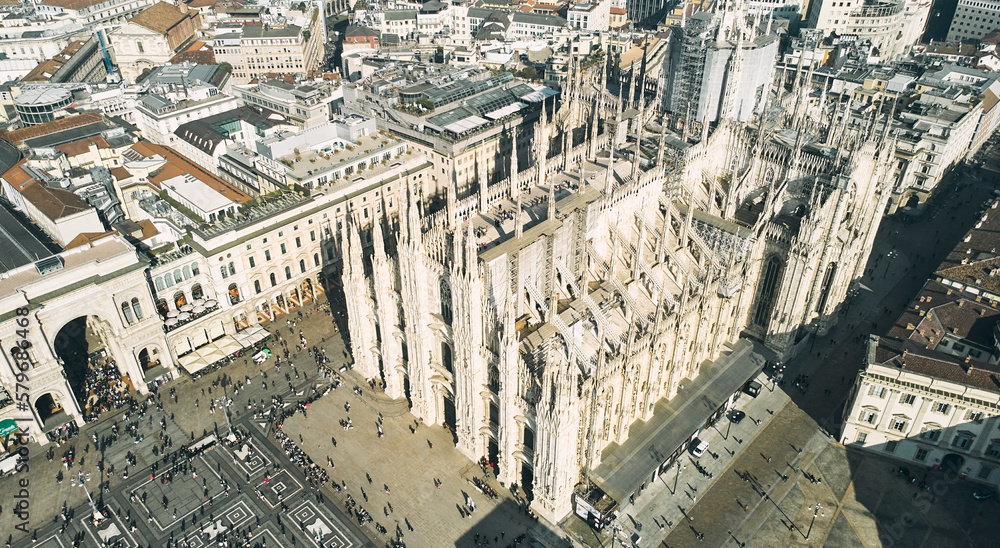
698	447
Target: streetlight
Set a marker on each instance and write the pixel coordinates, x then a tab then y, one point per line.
98	516
740	544
891	255
851	294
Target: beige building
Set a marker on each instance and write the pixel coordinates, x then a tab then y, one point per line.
928	395
229	280
151	38
257	51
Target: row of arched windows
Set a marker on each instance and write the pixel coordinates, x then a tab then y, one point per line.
176	277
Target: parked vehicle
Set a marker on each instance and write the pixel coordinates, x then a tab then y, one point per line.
698	447
735	416
983	494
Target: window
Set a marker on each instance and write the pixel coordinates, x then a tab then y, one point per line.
985	471
159	284
869	416
921	455
224	272
890	446
267	254
138	46
252	262
298	242
316	258
137	308
274	280
194	269
283	249
232	268
962	441
994	449
931	433
975	416
941	407
907	399
958	347
256	286
187	272
302	266
127	312
877	391
312	235
288	273
898	424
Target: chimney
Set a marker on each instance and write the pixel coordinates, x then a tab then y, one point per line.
910	326
949	292
922	313
960	303
182	5
968	359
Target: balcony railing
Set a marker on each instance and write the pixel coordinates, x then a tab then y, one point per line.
193	317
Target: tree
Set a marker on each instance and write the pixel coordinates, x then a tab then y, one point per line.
426	103
528	73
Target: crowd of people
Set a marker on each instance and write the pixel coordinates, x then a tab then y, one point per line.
104	386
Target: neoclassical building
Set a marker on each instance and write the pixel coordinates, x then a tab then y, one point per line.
158	315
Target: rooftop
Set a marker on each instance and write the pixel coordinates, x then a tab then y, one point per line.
160	17
313	163
940	315
259	31
19	245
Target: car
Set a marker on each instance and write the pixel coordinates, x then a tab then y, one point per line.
735	416
983	494
698	447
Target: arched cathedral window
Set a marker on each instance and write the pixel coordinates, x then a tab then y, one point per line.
446	302
767	288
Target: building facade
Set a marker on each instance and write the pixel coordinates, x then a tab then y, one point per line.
927	395
974	19
256	51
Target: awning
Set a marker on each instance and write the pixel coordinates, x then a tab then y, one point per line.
193	362
624	467
251	336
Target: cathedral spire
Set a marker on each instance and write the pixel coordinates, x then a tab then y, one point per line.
482	179
515	190
661	147
542	142
518	225
552	200
452	191
413	213
378	243
639	123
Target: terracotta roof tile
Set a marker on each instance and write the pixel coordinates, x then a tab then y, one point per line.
160	17
70	4
87	238
17	176
54	203
18	136
82	146
178	164
121	174
912	341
